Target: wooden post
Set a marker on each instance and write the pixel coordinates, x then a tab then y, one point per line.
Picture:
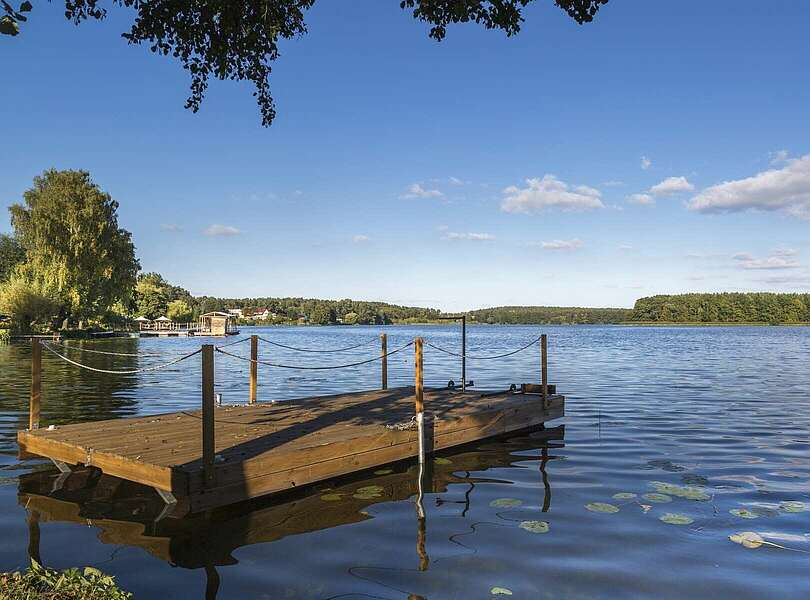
208	447
544	367
464	353
254	366
36	384
418	386
384	360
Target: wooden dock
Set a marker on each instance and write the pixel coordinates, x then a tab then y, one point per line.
271	447
219	455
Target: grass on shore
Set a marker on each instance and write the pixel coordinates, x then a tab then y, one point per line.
41	583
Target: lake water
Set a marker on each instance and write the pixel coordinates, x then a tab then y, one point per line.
712	420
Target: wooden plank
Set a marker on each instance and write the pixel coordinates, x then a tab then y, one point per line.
419	383
36	384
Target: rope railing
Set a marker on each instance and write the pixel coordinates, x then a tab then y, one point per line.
127	354
304	368
47	346
473	357
327	351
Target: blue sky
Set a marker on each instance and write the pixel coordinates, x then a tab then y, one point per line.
663	148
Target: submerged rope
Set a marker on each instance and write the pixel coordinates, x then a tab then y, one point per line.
112	372
280	366
529	345
318	351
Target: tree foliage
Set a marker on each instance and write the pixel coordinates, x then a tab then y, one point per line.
74	246
28	300
536	315
732	307
179	311
232	40
11	254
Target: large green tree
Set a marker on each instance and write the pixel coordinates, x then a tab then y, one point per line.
74	246
11	254
238	39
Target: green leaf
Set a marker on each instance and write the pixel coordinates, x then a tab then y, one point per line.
676	519
748	539
505	503
654	497
793	507
8	26
535	526
744	513
602	507
500	591
624	496
26	6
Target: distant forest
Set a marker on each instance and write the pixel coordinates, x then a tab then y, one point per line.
733	307
531	315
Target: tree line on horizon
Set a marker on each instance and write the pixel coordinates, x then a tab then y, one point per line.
726	307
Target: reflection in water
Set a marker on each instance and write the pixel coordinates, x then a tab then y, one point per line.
128	514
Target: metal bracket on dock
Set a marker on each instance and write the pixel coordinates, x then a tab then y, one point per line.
171	502
64	473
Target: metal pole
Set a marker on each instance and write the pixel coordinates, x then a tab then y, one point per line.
464	353
36	384
384	360
208	441
254	366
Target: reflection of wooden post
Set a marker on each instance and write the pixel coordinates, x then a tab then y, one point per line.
421	543
418	384
36	384
544	367
208	412
384	360
33	535
254	366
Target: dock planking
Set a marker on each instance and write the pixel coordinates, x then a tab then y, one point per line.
266	448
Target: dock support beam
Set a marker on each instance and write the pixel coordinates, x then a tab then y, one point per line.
544	368
463	353
36	384
208	447
254	366
384	360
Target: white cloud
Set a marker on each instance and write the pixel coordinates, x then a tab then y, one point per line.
224	230
798	282
415	190
358	239
455	181
779	157
646	163
672	185
574	244
174	227
471	237
785	190
773	262
550	192
641	199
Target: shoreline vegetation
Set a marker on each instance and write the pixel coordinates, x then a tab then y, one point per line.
69	267
40	582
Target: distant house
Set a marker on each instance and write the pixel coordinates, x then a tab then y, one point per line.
236	312
258	314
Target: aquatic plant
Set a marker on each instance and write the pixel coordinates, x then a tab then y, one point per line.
624	496
368	492
442	461
602	507
500	591
753	540
332	497
656	497
794	507
690	492
744	513
676	519
535	526
505	503
384	472
70	584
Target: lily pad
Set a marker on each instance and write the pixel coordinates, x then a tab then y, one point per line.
602	507
331	497
749	539
624	496
535	526
384	472
793	507
442	461
690	492
655	497
500	591
744	513
370	489
676	519
505	503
